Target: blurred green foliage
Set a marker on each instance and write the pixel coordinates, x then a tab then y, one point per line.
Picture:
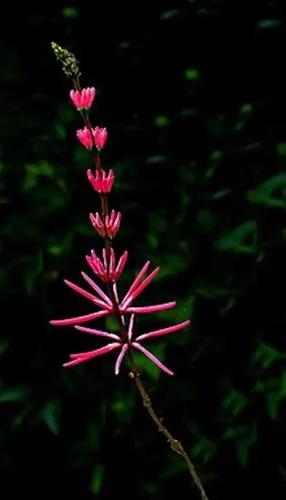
193	95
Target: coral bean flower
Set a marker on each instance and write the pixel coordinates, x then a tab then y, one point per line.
108	227
101	182
105	269
83	99
108	271
92	137
124	346
107	307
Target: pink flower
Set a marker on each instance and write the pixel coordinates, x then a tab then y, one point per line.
83	99
92	137
106	269
101	182
84	135
101	299
106	228
124	345
100	137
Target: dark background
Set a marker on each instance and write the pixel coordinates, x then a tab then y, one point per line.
193	96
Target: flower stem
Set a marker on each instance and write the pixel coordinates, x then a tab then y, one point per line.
175	445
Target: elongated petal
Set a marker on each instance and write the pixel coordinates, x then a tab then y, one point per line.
96	352
97	289
163	331
141	287
130	328
99	333
120	358
82	357
111	261
78	319
114	287
152	358
121	264
137	280
86	294
150	309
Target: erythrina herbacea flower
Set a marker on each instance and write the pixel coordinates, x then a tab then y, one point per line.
100	299
104	269
101	181
108	226
124	345
83	99
105	303
90	137
106	300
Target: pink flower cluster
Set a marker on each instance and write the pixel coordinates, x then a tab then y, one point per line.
109	269
90	137
107	227
101	181
108	272
83	99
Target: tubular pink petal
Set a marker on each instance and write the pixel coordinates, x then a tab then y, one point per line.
163	331
92	354
149	309
104	258
84	293
97	289
111	262
85	137
79	319
130	328
152	358
115	292
74	362
120	358
140	288
96	352
121	264
99	333
110	219
137	280
100	137
117	220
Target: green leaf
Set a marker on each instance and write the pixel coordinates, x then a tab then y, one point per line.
205	449
16	394
272	401
242	239
51	414
265	355
235	402
270	193
192	74
168	14
161	121
97	479
70	12
123	406
4	345
281	149
266	24
244	438
32	272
